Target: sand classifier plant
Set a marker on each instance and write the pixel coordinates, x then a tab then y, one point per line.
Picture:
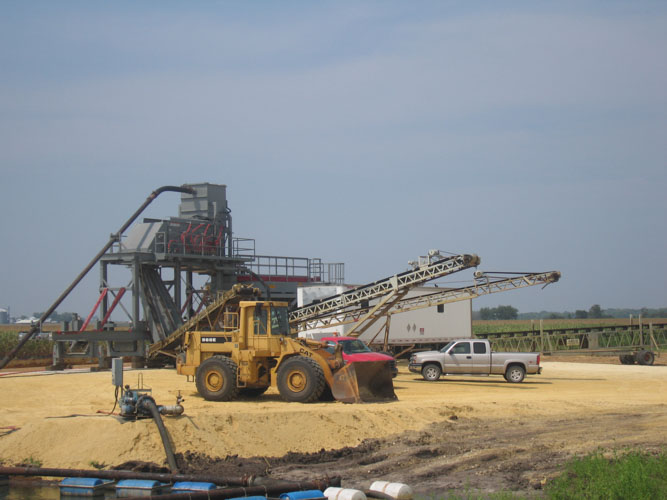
177	266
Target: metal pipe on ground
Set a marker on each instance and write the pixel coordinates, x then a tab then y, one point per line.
248	481
114	237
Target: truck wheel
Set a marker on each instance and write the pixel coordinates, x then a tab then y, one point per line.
515	374
645	358
627	359
216	379
431	372
300	380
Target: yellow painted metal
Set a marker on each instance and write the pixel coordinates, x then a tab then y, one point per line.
259	350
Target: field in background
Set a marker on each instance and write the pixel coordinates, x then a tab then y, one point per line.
500	326
42	348
34	349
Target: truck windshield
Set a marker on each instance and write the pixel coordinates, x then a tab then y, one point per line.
279	321
444	349
354	346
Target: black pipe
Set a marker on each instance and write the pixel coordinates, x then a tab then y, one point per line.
148	403
271	486
114	237
124	474
259	278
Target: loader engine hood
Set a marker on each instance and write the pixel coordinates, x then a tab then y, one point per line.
355	350
366	356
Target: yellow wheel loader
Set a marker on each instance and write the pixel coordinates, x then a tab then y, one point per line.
247	348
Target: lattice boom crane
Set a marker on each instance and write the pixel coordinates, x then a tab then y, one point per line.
387	291
485	284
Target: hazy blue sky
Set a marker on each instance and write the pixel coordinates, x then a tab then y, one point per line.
531	133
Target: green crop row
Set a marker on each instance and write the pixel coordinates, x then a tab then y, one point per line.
35	348
501	326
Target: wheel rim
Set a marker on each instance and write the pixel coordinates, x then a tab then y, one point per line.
214	381
515	374
296	381
431	372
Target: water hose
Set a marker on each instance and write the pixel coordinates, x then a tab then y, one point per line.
148	403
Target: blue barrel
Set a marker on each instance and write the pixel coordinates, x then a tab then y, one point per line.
188	486
82	486
138	488
302	495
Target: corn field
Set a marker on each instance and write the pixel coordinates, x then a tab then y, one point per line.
36	348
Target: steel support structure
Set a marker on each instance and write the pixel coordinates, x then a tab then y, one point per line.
604	340
115	237
484	285
325	312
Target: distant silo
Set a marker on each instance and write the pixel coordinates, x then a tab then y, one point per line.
4	316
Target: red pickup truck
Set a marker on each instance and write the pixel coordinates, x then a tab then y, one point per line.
355	351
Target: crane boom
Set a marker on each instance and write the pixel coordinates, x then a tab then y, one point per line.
484	285
388	290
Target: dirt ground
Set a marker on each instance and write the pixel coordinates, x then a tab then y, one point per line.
460	433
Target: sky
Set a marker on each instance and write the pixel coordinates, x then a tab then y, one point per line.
533	134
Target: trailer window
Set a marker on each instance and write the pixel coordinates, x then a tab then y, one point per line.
479	347
279	321
461	348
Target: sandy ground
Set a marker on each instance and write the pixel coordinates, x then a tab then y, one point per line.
478	433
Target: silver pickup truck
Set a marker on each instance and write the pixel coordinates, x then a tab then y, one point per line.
474	357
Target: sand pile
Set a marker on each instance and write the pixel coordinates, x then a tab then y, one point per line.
59	425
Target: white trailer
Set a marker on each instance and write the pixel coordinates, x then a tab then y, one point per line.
424	328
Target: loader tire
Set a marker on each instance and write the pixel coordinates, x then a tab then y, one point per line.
216	379
645	358
300	380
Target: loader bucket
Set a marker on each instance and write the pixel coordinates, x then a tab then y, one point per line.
363	382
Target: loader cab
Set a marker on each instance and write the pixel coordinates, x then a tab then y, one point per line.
264	323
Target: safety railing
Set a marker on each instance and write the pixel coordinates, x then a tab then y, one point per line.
296	269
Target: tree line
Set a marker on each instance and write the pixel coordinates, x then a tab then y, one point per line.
593	312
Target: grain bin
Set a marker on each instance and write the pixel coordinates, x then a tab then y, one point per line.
4	316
